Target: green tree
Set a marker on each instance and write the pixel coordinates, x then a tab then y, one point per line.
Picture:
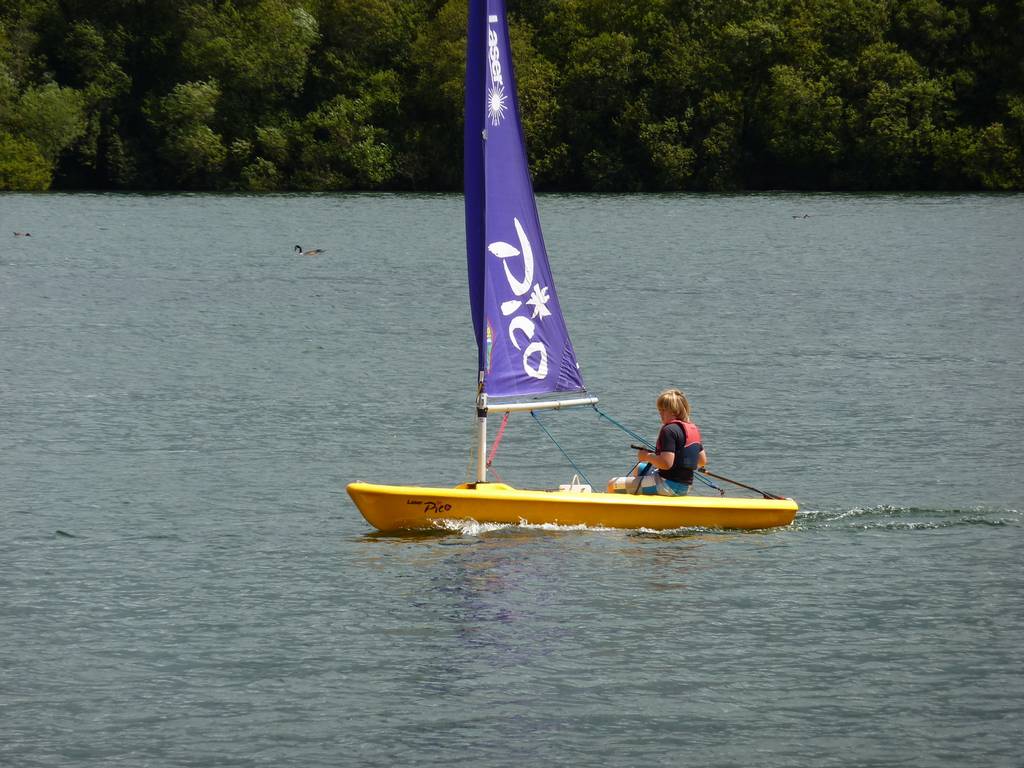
898	120
50	116
193	152
340	149
361	38
803	125
720	155
258	53
22	165
984	158
537	82
602	74
670	158
91	63
429	157
38	126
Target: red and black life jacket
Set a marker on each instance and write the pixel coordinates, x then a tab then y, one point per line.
692	445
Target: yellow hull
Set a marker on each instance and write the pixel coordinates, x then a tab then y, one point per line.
397	507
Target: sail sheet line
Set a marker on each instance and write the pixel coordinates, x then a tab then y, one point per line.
568	458
636	436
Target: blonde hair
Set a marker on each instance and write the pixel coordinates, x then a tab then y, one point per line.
675	402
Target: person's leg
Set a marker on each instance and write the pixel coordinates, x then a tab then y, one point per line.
671	487
648	484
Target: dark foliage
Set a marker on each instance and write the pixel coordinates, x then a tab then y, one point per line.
616	95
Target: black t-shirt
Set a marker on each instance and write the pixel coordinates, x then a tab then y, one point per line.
672	439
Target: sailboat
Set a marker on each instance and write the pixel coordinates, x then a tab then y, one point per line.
526	360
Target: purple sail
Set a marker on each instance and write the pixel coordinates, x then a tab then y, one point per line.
521	336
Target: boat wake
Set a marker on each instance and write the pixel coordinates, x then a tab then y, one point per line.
473	528
904	518
891	518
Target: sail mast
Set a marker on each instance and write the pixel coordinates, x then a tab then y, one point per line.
481	437
473	140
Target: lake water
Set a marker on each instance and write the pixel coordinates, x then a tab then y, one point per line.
184	582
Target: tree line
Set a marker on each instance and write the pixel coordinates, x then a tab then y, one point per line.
616	95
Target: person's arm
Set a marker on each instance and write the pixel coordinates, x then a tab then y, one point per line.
702	459
663	460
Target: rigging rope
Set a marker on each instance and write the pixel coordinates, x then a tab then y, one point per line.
575	466
497	439
470	474
625	429
703	479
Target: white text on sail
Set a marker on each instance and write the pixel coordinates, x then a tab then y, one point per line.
520	322
496	100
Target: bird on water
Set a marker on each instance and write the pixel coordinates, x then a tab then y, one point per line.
310	252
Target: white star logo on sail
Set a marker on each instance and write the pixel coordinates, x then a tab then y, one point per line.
539	301
497	103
